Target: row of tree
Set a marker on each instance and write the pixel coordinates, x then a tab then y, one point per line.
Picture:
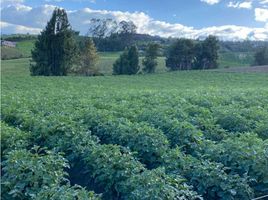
184	54
57	52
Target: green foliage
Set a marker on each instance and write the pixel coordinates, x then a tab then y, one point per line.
261	56
128	62
66	192
207	53
122	143
149	143
150	60
12	139
26	173
246	154
165	188
233	122
208	178
87	60
181	55
55	48
186	54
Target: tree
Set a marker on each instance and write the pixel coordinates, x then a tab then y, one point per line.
87	59
181	55
150	61
128	62
127	27
207	53
101	28
55	48
261	56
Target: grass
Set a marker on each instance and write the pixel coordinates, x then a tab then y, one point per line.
22	50
105	64
25	47
235	59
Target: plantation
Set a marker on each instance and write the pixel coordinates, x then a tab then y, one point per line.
180	135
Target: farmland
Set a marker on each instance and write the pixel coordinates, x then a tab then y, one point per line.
106	59
179	135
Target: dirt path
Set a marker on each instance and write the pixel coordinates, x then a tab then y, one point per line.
259	69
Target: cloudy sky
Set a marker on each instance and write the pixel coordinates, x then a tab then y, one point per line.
228	19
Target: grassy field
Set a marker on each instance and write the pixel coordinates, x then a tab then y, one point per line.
161	136
106	59
236	59
22	50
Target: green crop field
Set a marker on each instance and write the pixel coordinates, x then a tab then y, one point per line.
174	135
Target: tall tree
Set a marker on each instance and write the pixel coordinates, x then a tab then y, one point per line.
181	55
127	27
87	59
55	48
207	53
261	56
128	62
149	60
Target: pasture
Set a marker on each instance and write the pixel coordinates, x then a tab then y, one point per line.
189	134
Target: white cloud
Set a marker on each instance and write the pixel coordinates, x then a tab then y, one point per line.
12	1
18	28
27	19
263	1
245	4
261	14
211	2
53	1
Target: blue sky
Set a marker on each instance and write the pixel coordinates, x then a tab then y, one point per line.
197	15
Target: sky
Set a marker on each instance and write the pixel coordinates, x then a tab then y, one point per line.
227	19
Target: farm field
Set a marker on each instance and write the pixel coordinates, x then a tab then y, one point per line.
22	50
179	135
106	59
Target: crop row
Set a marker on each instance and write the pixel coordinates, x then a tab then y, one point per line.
30	172
244	155
116	130
115	171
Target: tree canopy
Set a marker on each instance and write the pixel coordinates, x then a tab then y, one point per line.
55	48
261	56
187	54
128	62
149	60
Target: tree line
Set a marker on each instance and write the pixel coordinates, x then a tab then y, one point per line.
57	51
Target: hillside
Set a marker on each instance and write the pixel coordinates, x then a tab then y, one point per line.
22	50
